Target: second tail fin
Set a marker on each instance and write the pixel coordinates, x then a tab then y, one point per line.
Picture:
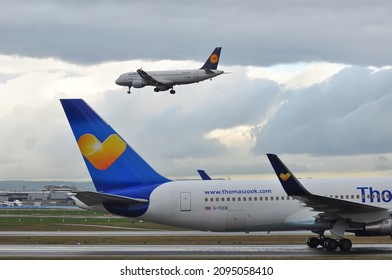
112	163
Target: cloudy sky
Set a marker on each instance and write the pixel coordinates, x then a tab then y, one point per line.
310	81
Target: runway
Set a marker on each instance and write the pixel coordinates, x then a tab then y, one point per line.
136	233
200	251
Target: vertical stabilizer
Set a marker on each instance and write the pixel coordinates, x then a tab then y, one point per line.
213	60
112	163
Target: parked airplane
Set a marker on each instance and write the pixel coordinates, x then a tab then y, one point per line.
16	202
165	80
127	186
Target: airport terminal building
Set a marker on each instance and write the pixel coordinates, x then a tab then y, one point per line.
48	196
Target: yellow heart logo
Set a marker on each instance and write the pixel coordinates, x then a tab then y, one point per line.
101	155
284	177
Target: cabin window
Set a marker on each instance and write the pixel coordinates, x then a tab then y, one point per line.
272	198
228	199
250	199
255	198
211	199
244	198
206	200
266	198
222	199
352	196
277	198
217	199
239	199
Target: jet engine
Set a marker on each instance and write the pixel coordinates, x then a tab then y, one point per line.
376	228
138	84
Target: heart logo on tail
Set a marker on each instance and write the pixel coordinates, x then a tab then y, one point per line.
284	177
101	155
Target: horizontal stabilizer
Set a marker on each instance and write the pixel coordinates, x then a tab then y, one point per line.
94	198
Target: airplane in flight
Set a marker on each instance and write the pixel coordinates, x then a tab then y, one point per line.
16	202
167	79
128	186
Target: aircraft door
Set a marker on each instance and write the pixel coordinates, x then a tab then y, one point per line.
185	201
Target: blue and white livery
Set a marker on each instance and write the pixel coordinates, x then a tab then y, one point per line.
127	186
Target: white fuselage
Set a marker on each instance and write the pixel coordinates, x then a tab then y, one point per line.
225	205
171	77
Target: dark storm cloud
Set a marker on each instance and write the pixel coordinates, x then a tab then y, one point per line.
251	32
345	115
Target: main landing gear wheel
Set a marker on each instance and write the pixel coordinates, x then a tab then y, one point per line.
129	90
328	243
345	244
313	242
172	91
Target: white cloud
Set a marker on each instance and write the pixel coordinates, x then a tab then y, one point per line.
224	126
299	75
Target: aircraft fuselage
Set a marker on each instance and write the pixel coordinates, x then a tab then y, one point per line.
169	78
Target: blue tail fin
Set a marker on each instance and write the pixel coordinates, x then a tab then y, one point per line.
203	175
213	60
112	163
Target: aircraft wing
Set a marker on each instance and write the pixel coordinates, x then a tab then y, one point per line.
148	78
319	203
95	198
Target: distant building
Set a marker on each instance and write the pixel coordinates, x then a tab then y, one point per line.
49	196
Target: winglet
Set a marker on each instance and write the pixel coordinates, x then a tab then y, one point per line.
213	60
203	175
289	183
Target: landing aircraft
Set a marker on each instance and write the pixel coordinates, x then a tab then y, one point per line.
128	186
165	80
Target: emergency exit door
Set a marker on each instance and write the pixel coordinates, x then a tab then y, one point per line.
185	201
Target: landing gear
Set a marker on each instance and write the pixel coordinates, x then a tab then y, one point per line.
328	243
313	242
156	89
345	244
172	91
129	90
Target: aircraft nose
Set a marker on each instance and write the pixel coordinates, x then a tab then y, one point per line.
118	81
